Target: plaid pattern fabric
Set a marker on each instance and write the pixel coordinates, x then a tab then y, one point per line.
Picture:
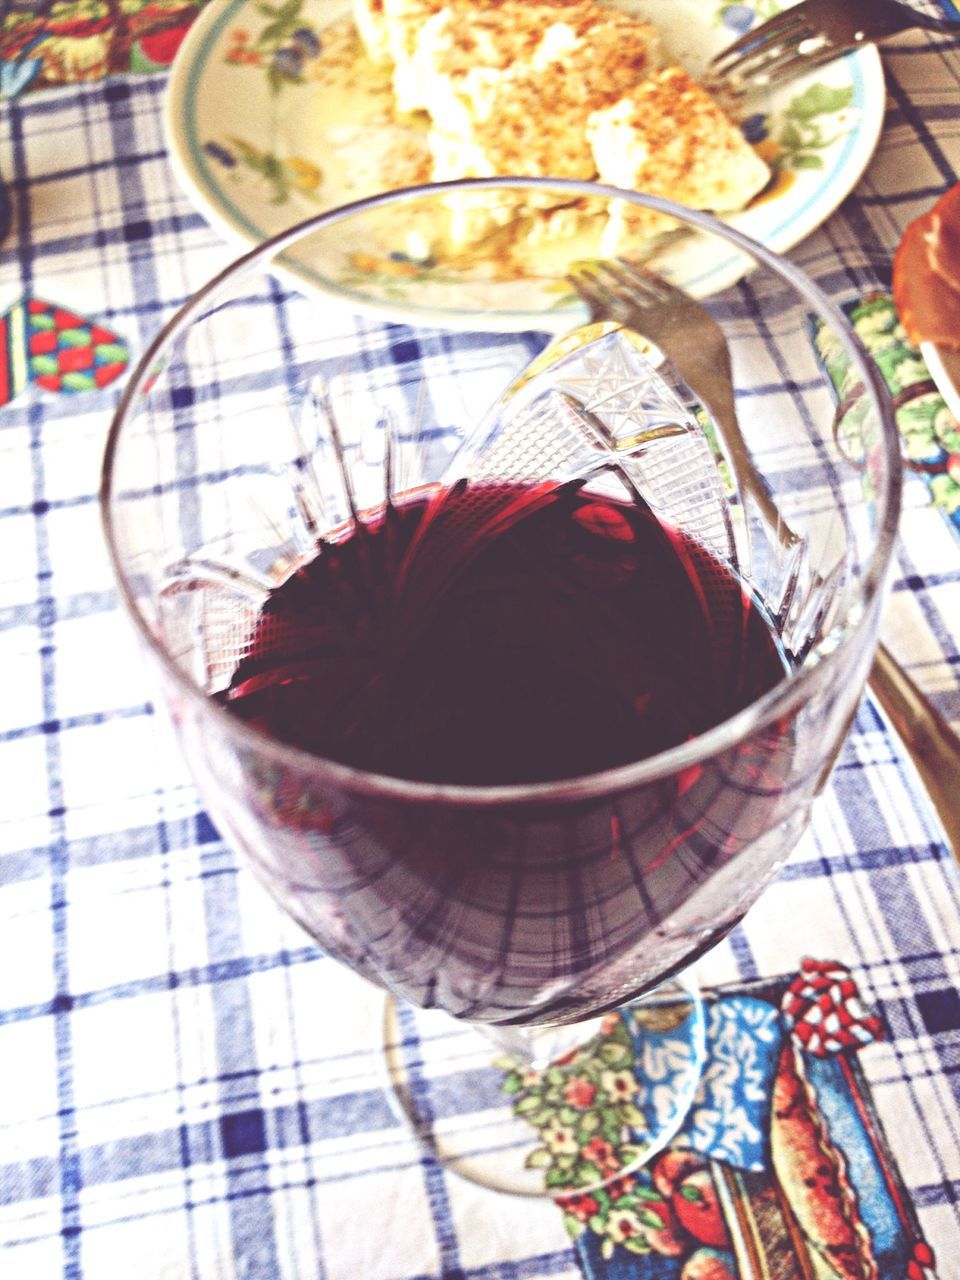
188	1088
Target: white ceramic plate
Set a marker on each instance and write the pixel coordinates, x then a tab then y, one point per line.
944	366
272	116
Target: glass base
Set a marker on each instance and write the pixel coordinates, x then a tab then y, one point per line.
554	1111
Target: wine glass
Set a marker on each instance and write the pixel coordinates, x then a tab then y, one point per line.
413	604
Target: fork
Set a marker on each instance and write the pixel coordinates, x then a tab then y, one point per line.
811	33
692	340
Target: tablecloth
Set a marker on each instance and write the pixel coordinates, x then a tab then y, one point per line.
188	1087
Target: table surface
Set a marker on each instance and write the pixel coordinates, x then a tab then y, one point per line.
188	1088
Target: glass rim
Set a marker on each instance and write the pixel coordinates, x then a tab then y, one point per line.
712	741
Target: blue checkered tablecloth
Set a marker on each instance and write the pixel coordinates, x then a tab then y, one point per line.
188	1088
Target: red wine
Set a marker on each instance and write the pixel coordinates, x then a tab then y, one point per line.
501	634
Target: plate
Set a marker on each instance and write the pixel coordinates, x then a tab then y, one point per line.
272	115
944	366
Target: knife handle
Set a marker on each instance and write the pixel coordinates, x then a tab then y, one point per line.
931	742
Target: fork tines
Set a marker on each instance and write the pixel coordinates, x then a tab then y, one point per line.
766	38
801	37
814	32
794	47
614	282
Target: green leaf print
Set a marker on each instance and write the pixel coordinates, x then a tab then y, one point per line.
807	160
820	100
802	136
